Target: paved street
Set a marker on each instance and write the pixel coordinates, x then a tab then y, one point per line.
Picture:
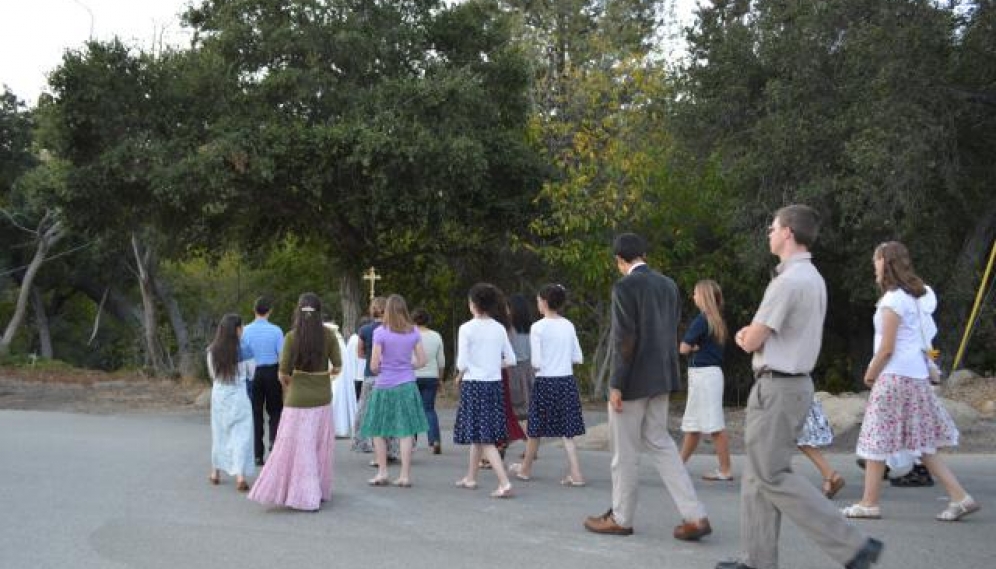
87	491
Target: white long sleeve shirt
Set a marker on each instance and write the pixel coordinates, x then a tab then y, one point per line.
483	349
555	347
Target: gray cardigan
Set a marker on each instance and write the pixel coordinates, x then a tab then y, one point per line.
644	337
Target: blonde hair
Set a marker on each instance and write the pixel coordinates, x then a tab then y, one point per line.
396	316
711	304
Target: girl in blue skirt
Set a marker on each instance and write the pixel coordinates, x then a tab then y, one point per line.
555	405
483	349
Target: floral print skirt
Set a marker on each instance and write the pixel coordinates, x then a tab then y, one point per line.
904	414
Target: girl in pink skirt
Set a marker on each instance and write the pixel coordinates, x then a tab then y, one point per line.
298	473
903	414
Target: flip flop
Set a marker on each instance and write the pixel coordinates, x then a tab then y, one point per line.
832	485
378	481
862	512
717	476
402	483
516	468
464	483
570	481
503	492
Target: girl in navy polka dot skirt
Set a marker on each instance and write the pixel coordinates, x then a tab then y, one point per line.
555	405
483	349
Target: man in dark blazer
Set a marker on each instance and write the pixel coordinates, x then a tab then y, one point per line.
646	309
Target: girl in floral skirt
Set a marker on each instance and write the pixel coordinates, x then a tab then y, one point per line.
903	414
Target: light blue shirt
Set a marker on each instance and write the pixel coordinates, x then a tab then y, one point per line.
264	341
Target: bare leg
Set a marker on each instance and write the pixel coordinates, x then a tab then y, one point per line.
940	470
874	471
572	460
380	450
474	463
494	457
532	447
816	457
407	444
689	444
722	444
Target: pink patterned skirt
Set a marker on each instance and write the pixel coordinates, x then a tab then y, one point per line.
903	414
298	472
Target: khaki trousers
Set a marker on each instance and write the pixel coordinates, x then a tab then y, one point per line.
776	411
642	427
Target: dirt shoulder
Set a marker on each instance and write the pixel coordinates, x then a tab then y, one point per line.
94	392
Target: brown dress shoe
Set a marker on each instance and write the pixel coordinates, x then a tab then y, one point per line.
693	531
606	524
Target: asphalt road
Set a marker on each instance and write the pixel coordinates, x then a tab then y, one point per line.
85	491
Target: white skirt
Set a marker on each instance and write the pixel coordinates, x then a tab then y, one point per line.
704	408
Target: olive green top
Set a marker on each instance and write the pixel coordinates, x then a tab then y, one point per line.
309	388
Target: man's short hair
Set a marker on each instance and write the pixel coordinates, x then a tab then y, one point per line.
262	306
803	220
629	246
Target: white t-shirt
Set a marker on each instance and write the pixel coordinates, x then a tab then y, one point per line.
908	358
555	347
435	358
483	349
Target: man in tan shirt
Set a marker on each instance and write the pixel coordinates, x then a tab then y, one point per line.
785	338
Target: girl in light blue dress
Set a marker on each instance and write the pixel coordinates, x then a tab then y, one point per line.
231	410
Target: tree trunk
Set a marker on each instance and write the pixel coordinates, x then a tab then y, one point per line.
187	360
41	320
963	284
109	299
352	302
49	232
143	262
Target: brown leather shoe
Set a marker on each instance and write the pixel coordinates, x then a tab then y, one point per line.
606	524
693	531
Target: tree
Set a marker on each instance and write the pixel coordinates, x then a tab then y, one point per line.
385	132
844	105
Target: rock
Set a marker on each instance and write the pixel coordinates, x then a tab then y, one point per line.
596	438
962	413
845	411
988	408
203	400
959	377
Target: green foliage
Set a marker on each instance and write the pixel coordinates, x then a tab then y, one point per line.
846	106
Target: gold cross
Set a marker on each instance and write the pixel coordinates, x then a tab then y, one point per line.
372	276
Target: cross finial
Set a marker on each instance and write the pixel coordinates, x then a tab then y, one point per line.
372	276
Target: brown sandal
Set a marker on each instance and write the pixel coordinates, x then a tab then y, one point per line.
832	485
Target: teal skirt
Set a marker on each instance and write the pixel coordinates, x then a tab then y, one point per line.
394	412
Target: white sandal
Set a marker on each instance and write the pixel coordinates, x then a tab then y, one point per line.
958	510
862	512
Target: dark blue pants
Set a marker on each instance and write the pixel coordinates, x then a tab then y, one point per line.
427	387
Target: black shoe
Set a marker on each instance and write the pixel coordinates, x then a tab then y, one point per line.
861	464
732	565
867	555
260	461
919	476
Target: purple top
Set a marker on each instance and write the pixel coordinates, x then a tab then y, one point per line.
396	354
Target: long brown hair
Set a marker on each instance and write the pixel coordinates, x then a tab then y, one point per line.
897	269
396	316
224	349
309	335
711	297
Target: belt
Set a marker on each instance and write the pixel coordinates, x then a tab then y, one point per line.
772	373
265	366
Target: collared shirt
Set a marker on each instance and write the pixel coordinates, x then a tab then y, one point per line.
264	341
794	306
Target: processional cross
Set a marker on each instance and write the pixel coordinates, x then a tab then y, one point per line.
372	276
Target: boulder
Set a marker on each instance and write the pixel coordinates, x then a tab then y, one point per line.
203	400
845	411
959	377
962	413
595	438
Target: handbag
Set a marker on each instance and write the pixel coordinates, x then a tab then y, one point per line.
928	351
